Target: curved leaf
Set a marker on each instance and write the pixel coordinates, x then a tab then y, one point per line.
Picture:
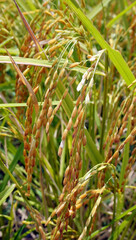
114	55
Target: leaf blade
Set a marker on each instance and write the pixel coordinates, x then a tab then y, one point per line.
6	192
114	55
26	83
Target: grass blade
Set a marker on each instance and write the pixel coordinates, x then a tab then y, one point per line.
12	166
39	48
25	61
26	83
6	192
97	9
114	55
115	19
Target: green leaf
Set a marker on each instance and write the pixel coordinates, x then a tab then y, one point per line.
26	61
120	195
12	166
6	86
6	192
97	9
43	63
115	19
120	228
12	51
125	154
114	55
18	233
27	5
125	214
92	151
10	105
24	234
5	216
6	41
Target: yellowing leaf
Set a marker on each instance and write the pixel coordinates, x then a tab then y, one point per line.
26	83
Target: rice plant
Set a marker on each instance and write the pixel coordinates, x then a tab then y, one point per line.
67	120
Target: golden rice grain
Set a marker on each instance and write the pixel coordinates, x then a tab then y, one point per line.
77	157
55	47
51	119
60	151
67	171
60	209
74	64
48	13
47	127
80	115
64	134
74	112
61	197
52	41
115	155
62	72
49	111
70	53
78	100
39	123
76	123
47	80
83	195
55	75
37	133
69	125
133	133
79	205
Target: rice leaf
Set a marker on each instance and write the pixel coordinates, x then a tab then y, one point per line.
6	192
12	166
115	19
97	9
26	83
39	48
114	55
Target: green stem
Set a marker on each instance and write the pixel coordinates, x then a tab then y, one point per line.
104	104
6	171
114	209
126	230
45	210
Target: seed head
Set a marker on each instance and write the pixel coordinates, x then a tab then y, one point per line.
64	134
74	64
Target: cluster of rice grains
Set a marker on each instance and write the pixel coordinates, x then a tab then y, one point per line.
67	207
117	138
125	118
35	75
57	38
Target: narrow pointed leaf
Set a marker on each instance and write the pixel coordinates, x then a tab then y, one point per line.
25	82
39	48
115	19
97	9
12	166
43	63
5	194
25	61
114	55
